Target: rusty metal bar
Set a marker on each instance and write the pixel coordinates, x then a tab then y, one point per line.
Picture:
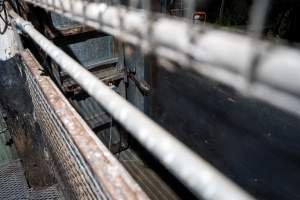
197	174
112	180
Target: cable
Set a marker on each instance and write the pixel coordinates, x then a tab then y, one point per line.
5	18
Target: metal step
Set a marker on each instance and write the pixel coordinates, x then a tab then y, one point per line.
13	184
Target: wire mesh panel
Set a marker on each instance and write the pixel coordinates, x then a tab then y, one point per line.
13	184
78	183
75	157
244	62
45	194
12	181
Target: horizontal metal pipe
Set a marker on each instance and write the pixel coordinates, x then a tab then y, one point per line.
193	46
198	175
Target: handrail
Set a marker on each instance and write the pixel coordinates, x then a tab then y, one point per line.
254	68
196	173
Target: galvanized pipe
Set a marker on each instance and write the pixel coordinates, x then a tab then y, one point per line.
197	174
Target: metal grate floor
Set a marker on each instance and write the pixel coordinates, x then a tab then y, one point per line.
13	184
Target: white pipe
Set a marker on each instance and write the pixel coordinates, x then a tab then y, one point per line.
193	46
199	176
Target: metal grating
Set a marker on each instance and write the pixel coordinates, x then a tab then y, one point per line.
85	168
12	181
75	176
13	185
176	42
50	193
210	184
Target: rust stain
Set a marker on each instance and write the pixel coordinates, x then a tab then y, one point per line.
105	167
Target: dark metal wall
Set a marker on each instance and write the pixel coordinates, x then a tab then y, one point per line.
254	144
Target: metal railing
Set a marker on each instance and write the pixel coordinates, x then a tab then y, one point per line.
84	168
255	68
199	176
